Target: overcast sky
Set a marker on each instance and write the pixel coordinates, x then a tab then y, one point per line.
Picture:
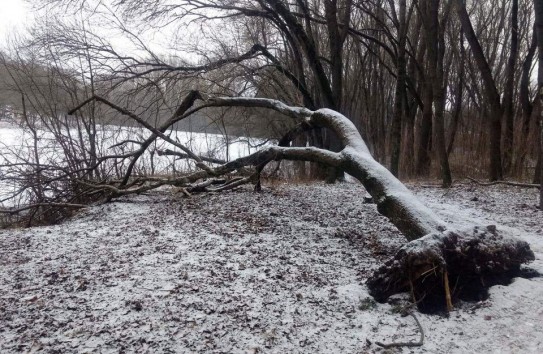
17	15
14	15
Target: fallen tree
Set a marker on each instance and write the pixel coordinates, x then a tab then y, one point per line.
436	255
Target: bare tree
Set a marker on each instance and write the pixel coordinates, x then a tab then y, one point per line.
400	92
539	29
351	56
433	241
491	93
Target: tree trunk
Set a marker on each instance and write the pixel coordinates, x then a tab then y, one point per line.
436	53
508	109
399	94
457	110
425	132
317	170
424	138
526	103
466	254
490	91
538	5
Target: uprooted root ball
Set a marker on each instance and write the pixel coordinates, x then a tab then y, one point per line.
466	261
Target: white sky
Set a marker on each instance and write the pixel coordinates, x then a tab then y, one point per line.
15	15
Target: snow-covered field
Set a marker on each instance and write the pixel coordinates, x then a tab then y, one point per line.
281	271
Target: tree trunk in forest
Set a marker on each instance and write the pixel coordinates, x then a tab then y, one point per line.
399	94
508	108
538	6
424	136
525	99
538	174
435	53
526	102
329	88
490	91
457	110
413	103
337	34
409	137
425	131
317	170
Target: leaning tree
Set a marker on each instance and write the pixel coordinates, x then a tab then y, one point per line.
436	254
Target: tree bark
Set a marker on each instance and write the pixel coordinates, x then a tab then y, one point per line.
525	103
424	141
538	6
399	94
425	132
393	199
436	53
491	93
457	110
508	113
525	99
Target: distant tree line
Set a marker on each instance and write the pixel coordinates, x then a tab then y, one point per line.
436	87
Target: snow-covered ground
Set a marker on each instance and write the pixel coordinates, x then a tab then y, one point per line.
281	271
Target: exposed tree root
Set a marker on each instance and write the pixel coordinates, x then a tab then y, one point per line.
444	267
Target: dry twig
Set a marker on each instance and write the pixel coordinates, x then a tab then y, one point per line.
419	343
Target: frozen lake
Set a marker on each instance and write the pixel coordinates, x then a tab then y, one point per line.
16	147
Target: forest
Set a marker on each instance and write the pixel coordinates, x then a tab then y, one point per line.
231	176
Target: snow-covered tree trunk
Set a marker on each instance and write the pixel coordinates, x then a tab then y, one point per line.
393	199
436	252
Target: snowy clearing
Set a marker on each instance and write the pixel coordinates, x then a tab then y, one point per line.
282	271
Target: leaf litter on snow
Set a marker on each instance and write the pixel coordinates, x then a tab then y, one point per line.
244	272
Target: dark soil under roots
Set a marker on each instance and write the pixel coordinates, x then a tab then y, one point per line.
467	261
